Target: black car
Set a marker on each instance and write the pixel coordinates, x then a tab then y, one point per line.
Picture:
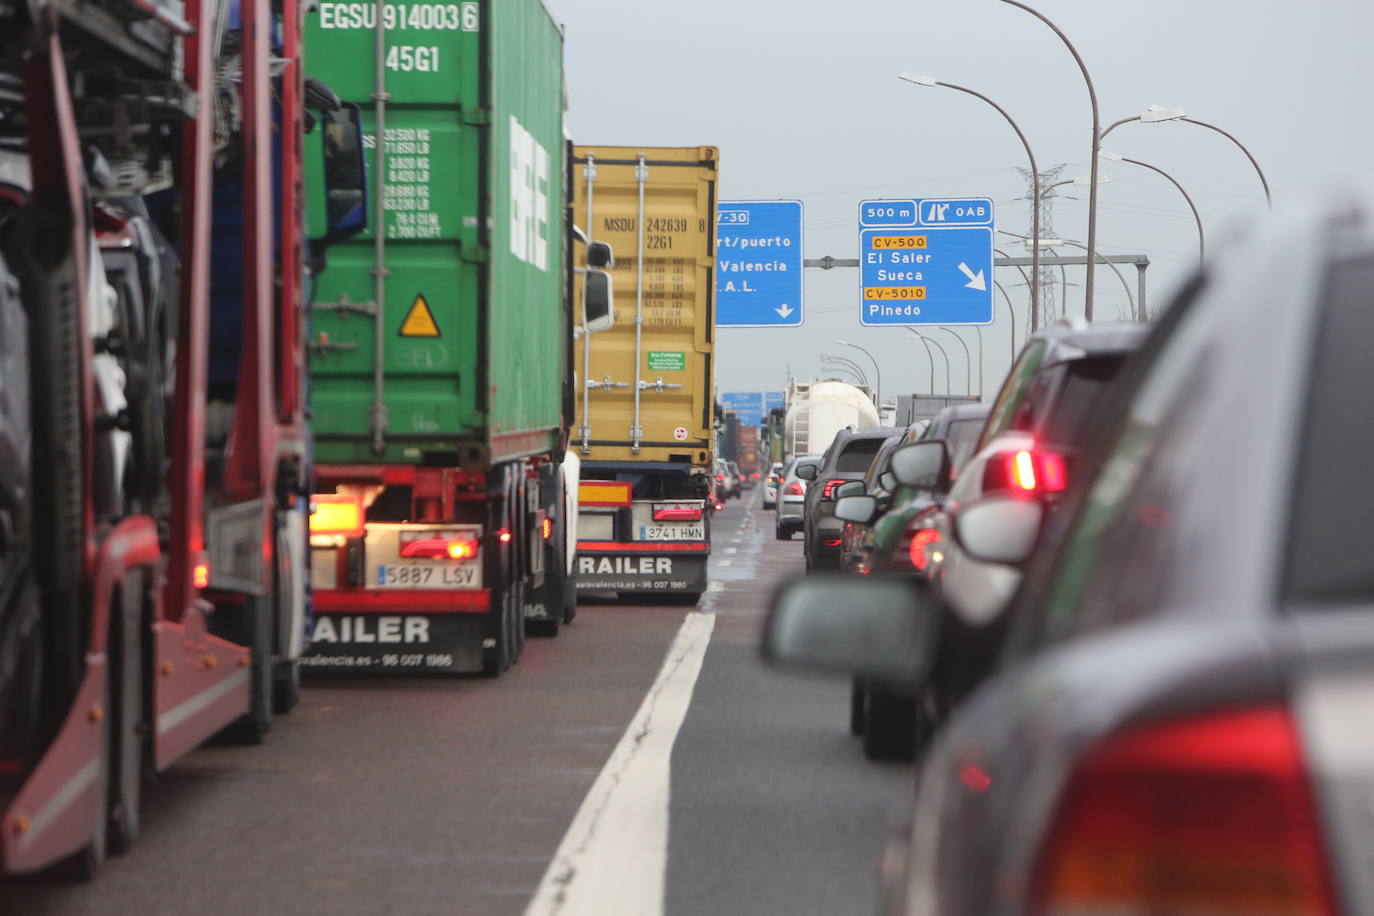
847	459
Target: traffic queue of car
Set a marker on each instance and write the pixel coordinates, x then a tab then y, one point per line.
1130	642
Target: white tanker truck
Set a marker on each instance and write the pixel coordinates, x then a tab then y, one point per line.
817	410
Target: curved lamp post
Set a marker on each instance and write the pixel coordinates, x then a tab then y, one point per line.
1010	311
1097	139
1117	157
968	358
943	352
1130	297
848	364
1156	114
923	80
930	358
877	372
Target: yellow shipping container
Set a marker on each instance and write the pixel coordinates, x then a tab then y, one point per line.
647	385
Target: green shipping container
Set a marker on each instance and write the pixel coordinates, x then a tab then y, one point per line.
471	260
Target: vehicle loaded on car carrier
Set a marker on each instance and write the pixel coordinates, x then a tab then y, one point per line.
150	592
645	409
441	342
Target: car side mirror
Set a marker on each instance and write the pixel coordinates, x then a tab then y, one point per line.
807	471
880	627
852	488
335	166
861	509
887	481
1000	529
600	255
598	299
922	465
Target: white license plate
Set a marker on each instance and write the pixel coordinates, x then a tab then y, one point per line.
672	532
418	575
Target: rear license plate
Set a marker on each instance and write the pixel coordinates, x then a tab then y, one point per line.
672	532
417	575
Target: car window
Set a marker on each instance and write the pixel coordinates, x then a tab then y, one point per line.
1014	391
961	437
857	454
1120	556
1084	381
1331	538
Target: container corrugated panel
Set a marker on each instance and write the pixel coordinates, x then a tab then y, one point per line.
675	291
474	315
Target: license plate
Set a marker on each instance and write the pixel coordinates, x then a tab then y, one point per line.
672	532
417	575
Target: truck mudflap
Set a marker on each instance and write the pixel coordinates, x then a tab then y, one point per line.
397	631
641	567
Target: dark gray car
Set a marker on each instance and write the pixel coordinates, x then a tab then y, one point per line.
1179	719
848	458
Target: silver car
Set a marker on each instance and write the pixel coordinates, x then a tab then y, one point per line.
772	485
791	502
1178	718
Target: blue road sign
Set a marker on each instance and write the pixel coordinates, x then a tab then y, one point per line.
746	405
759	263
773	400
925	261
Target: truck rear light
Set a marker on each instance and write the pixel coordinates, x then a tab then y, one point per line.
833	542
547	528
504	535
338	515
200	575
678	514
439	548
830	486
1207	815
794	489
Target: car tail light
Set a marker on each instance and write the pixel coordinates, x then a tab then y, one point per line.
830	485
833	542
1030	472
920	540
678	514
1208	815
794	489
754	476
438	545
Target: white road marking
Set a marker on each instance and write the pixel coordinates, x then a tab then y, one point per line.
726	563
732	550
613	860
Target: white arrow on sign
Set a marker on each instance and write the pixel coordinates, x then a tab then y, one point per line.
784	310
975	281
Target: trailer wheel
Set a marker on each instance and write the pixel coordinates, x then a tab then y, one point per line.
496	659
127	710
254	630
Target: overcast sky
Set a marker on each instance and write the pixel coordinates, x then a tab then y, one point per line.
802	98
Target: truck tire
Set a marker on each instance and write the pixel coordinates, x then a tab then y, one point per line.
254	630
286	686
286	671
127	712
53	303
889	727
857	689
569	599
496	659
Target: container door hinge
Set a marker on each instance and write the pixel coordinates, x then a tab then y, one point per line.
478	117
475	254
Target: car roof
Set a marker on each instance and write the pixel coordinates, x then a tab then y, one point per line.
1073	340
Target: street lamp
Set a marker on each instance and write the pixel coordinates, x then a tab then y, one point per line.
1156	114
1079	245
878	373
920	79
1092	187
1010	311
848	364
930	358
943	352
968	359
1117	157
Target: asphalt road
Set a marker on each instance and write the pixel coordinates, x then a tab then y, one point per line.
452	795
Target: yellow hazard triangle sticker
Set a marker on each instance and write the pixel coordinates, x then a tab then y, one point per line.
419	320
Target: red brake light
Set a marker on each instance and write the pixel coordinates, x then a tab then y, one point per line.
830	485
919	542
678	514
1052	472
1212	814
1030	472
794	489
833	542
439	548
504	535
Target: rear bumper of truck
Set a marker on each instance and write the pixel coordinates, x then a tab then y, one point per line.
399	631
642	567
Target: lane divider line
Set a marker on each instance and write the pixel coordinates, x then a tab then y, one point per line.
613	860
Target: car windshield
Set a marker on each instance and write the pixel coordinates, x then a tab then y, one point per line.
857	454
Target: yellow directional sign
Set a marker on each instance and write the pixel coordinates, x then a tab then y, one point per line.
419	320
